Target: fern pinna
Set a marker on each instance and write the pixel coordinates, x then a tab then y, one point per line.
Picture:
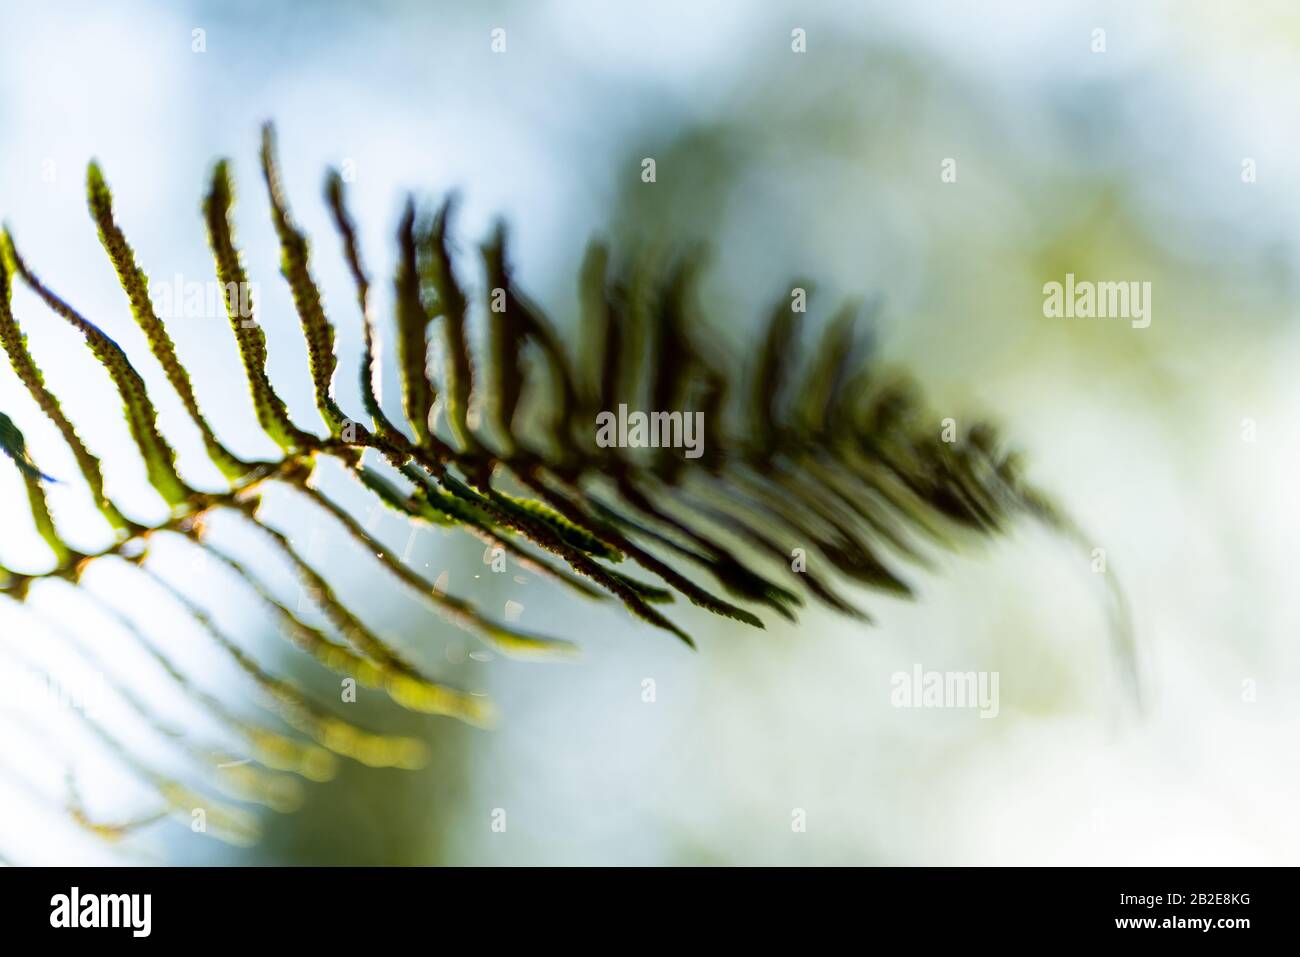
826	457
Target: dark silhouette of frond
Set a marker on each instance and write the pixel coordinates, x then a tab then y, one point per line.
822	455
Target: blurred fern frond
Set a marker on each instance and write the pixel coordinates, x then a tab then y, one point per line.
817	471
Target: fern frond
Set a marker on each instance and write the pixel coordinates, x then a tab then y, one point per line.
141	416
136	284
272	414
306	297
827	457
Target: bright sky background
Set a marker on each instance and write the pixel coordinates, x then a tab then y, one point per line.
1141	437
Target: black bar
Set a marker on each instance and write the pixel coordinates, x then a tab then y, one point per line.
975	906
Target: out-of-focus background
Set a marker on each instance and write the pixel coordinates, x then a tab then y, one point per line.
1159	149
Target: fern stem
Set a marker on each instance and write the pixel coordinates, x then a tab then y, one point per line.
136	285
141	416
306	296
14	343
